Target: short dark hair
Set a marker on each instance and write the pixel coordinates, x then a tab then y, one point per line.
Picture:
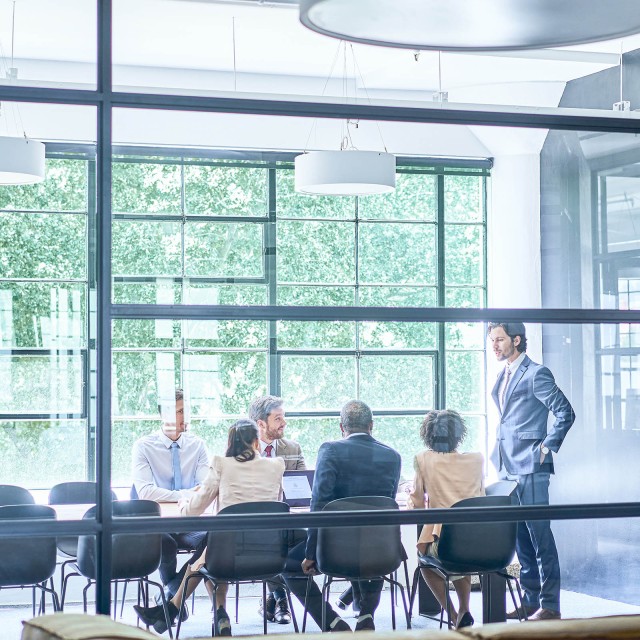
242	434
262	407
356	417
179	396
512	329
443	431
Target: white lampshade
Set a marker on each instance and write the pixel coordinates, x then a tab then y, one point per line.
472	25
21	160
345	173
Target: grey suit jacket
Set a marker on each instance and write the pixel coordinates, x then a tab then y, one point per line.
291	452
531	395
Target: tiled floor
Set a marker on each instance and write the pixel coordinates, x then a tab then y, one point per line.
250	623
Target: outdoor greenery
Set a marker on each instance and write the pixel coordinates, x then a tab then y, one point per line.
194	232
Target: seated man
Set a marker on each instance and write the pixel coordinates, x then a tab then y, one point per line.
268	414
166	466
357	465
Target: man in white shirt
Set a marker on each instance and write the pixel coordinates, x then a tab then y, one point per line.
167	464
268	413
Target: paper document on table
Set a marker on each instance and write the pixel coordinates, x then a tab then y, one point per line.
296	487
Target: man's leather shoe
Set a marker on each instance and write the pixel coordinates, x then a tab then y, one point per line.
365	623
545	614
521	613
270	612
281	614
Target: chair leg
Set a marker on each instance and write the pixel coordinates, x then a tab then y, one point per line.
414	589
447	595
396	585
264	607
84	596
392	586
124	597
182	601
148	582
306	600
293	613
63	593
264	604
54	596
326	586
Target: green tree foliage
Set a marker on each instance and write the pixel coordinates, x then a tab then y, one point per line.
169	248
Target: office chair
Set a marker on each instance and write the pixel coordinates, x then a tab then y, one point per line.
71	493
134	556
471	548
12	494
244	556
28	561
362	553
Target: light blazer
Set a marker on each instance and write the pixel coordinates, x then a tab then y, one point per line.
531	395
291	452
233	482
355	466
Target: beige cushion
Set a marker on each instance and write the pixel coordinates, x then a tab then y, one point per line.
77	626
608	628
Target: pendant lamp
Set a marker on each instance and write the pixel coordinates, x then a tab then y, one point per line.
21	160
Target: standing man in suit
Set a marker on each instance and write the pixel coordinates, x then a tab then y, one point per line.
525	392
167	464
357	465
268	414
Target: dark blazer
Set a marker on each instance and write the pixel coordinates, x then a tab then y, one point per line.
291	451
355	466
531	395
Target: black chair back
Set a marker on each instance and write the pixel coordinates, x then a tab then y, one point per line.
12	494
253	554
27	560
480	546
501	488
360	552
73	493
133	554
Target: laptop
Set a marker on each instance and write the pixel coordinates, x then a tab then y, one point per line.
297	487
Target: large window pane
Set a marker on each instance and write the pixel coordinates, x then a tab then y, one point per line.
146	248
318	382
224	250
39	454
465	381
36	384
464	254
414	199
397	381
63	189
140	187
224	383
463	199
290	204
322	252
48	315
397	253
42	245
226	191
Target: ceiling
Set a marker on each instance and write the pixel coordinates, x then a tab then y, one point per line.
250	38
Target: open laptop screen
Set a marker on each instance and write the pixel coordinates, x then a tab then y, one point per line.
297	487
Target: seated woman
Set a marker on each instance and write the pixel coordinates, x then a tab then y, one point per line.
241	476
443	477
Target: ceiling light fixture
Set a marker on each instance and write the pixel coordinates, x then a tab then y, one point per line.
22	161
469	25
349	171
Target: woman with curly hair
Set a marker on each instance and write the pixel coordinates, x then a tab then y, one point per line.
443	477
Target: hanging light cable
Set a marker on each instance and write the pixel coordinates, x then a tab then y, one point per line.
22	160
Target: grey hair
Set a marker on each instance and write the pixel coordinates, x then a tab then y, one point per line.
262	407
356	417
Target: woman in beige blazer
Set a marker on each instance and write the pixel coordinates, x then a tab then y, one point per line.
443	477
240	476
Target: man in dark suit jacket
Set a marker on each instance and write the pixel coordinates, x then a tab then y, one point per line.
357	465
268	413
525	392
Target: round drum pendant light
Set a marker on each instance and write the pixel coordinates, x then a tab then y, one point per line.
472	25
21	160
345	173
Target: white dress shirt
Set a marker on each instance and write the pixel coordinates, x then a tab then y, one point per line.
512	367
153	470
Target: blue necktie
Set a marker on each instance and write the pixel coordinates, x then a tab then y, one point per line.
176	483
